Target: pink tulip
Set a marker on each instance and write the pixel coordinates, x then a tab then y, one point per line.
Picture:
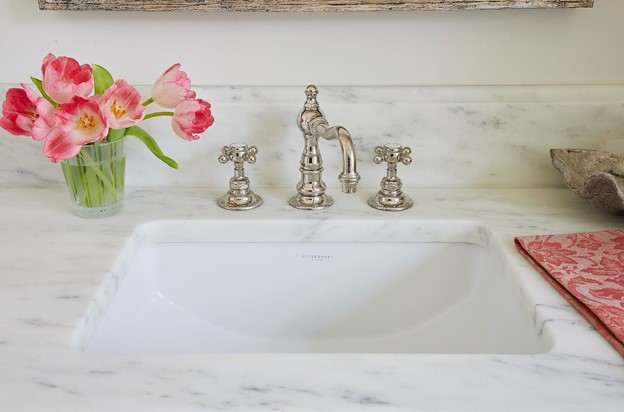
192	117
64	78
25	113
122	104
80	121
172	87
19	113
45	123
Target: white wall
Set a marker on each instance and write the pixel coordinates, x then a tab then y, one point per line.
577	46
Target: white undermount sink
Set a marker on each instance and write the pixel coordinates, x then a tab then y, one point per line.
377	286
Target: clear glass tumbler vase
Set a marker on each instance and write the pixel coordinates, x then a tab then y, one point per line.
95	178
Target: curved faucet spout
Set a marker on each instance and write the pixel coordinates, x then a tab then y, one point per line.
349	176
311	188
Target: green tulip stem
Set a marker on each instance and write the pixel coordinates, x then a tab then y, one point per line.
156	114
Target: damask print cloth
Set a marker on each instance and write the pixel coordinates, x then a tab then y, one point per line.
588	270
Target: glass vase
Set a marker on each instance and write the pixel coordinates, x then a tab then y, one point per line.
95	179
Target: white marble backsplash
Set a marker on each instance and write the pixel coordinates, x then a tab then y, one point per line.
494	136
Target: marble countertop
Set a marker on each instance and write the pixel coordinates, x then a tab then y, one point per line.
53	264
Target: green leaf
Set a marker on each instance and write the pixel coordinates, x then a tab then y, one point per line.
116	134
151	144
39	84
102	79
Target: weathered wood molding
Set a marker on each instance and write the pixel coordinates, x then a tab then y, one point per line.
304	5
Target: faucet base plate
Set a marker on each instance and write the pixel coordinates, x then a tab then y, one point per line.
382	201
248	201
311	202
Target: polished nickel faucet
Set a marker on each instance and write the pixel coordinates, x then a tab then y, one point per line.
311	188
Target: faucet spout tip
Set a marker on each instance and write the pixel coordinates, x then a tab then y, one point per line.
349	182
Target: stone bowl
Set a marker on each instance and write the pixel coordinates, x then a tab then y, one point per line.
594	175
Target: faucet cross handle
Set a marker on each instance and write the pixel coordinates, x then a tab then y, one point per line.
240	196
390	197
238	153
393	153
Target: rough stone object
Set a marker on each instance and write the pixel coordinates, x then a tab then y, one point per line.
304	5
594	175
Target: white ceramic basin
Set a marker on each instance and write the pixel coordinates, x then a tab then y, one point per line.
280	286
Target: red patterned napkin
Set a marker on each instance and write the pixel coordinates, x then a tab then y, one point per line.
588	270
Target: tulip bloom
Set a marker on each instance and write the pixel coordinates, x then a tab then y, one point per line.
122	105
172	87
80	121
19	113
191	117
44	124
64	78
26	114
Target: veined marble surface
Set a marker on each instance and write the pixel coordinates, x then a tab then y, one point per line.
54	263
493	136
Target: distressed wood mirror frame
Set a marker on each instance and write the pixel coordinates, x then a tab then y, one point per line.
304	5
